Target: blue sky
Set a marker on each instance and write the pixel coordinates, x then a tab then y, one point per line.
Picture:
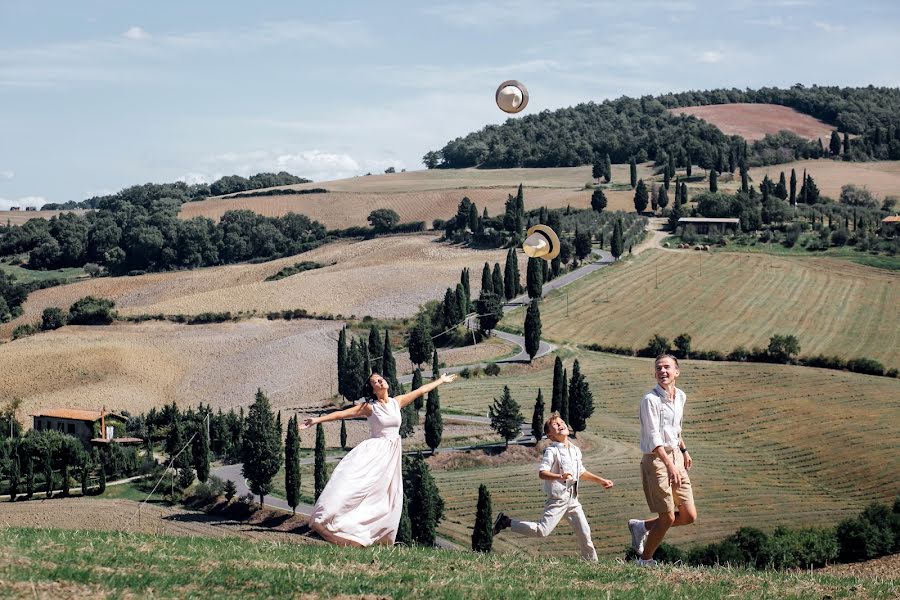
99	95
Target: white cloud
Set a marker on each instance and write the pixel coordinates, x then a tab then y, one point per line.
136	34
711	56
35	201
316	164
829	27
195	178
7	174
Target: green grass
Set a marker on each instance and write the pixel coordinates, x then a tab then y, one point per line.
773	445
29	276
60	563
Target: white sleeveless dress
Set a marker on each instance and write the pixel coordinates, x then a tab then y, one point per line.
362	502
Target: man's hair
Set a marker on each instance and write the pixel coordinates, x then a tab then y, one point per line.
666	355
553	416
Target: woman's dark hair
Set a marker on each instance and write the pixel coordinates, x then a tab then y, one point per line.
368	390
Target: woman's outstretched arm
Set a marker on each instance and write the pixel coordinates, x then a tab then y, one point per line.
360	410
405	399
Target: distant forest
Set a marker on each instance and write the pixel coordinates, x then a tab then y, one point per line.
230	184
641	128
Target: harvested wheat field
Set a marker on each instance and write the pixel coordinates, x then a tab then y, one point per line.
384	277
881	177
98	514
755	432
18	217
723	300
754	121
135	367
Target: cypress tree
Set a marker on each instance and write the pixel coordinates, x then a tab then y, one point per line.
597	169
835	145
713	181
409	418
846	143
420	344
520	208
319	475
670	168
48	475
343	434
663	198
688	165
793	187
781	187
607	169
292	463
342	362
677	192
65	479
510	281
353	377
674	215
506	418
632	168
581	401
450	309
262	451
14	473
487	283
467	288
532	330
434	423
598	200
535	277
102	487
388	364
462	302
640	197
745	177
684	193
556	398
617	244
85	471
482	534
404	530
419	402
201	452
365	366
564	401
545	271
537	418
666	180
375	349
426	508
654	197
497	277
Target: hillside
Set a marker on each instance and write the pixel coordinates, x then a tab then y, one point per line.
754	121
62	564
727	299
755	432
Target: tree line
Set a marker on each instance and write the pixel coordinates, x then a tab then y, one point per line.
642	128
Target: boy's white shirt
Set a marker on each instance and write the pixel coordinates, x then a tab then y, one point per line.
559	459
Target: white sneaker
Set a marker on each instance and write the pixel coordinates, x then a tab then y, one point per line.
645	563
638	535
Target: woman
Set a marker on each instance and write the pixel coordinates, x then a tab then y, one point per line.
363	500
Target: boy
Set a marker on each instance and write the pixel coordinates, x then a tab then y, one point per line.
561	469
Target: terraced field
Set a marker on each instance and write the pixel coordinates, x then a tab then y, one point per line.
728	299
773	445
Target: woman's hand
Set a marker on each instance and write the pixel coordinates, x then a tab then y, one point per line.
445	378
307	423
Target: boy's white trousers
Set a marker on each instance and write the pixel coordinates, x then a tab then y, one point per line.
555	509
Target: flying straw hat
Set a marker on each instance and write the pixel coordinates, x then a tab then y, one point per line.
512	96
541	242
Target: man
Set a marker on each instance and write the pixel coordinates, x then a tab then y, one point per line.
665	463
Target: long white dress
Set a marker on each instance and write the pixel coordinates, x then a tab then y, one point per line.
362	502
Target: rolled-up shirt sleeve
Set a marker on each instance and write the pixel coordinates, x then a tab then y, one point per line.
651	437
546	460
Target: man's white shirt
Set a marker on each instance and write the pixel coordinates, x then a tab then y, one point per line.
661	419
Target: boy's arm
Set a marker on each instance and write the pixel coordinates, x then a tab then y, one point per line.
554	476
606	483
545	469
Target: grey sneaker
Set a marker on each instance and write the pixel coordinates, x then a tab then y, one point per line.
638	535
645	563
501	523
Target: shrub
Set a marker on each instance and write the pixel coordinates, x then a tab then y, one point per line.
668	553
840	237
492	369
801	549
25	330
892	373
92	311
868	366
656	346
465	373
739	354
53	318
230	489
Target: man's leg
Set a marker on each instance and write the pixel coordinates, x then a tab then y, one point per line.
657	532
554	510
578	521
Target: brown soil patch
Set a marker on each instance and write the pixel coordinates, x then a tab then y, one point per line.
384	277
754	121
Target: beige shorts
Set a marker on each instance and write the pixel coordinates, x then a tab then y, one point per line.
657	490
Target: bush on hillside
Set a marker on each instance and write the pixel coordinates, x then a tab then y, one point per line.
92	311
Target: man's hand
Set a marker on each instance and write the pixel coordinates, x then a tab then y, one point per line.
688	462
606	483
674	476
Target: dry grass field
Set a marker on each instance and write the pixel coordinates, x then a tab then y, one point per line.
427	195
384	277
728	299
754	121
772	445
881	177
18	217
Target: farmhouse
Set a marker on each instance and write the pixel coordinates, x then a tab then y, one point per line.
705	225
14	208
91	426
30	209
890	226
